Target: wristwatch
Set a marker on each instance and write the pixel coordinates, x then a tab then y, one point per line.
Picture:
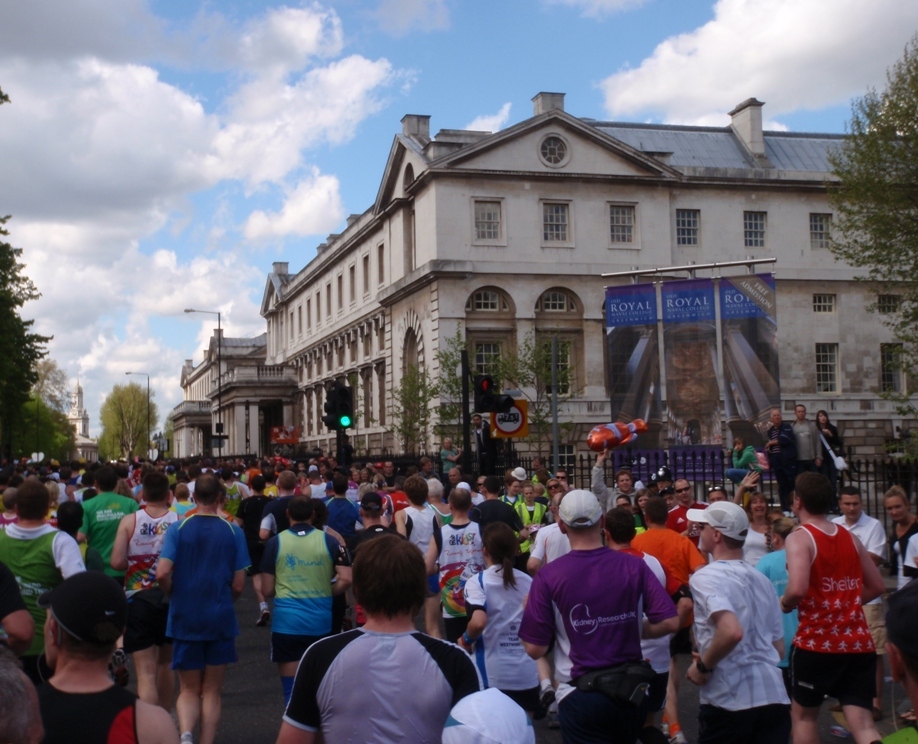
699	664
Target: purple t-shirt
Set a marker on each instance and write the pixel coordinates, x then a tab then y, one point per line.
600	596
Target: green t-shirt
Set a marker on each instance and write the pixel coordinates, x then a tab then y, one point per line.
101	515
32	563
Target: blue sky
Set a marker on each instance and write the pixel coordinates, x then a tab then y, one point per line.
160	154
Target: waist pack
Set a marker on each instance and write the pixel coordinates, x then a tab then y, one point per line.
625	683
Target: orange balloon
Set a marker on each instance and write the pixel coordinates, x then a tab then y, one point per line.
608	436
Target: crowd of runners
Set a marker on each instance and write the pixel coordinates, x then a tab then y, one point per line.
538	600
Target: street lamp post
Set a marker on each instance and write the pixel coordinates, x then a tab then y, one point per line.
219	371
149	429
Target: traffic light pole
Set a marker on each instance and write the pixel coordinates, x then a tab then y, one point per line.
466	420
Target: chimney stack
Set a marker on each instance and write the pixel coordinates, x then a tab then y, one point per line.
544	102
746	122
417	126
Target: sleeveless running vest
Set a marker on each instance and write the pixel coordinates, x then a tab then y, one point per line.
460	559
106	717
144	546
831	617
32	563
303	591
422	525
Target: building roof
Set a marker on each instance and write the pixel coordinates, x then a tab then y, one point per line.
719	147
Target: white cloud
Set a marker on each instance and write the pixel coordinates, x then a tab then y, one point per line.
285	39
314	206
399	17
598	8
792	54
490	122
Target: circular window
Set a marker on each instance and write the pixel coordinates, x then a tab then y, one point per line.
554	150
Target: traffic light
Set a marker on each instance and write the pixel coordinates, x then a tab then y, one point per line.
339	407
487	398
484	393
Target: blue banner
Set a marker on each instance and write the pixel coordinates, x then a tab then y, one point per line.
688	301
631	305
750	296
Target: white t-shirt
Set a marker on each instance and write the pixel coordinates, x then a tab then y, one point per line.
911	559
500	657
656	650
748	677
755	546
870	532
550	543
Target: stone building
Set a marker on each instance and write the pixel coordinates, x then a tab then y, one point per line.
84	447
232	385
504	236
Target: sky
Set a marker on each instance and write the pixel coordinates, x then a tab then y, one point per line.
161	154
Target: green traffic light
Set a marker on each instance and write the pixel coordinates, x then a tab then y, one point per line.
345	421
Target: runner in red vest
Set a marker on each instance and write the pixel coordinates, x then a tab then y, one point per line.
830	577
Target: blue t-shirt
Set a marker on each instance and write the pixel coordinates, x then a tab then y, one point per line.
205	552
342	514
774	566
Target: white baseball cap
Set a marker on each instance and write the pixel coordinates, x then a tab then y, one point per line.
579	508
519	473
725	516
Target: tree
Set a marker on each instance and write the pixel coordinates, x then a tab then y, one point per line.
52	385
876	196
449	386
41	428
410	413
20	349
126	431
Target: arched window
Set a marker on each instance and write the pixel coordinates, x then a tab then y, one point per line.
556	301
487	301
410	354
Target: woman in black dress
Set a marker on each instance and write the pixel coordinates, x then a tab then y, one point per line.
831	437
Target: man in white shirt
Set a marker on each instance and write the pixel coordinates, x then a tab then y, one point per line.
550	543
870	532
740	638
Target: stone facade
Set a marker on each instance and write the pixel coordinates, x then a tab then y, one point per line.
501	236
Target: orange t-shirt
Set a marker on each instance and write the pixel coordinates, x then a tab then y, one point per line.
676	552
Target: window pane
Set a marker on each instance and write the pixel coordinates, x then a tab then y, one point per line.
485	301
555	302
888	303
487	220
890	368
826	368
487	356
820	225
554	150
823	303
754	229
554	223
621	221
687	226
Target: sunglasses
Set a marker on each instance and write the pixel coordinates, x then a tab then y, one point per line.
555	486
716	487
682	490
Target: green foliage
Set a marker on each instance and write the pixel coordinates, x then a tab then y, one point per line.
125	430
169	434
52	385
450	387
41	428
876	197
530	370
410	413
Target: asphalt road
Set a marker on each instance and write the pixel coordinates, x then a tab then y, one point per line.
253	702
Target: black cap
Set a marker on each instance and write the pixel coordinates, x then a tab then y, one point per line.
85	603
371	501
902	618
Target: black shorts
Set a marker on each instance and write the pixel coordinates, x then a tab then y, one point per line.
656	693
256	551
681	642
148	613
286	648
528	700
850	678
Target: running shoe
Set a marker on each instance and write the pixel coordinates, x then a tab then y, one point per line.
679	738
545	700
263	619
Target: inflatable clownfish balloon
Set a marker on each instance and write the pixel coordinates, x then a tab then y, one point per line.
607	436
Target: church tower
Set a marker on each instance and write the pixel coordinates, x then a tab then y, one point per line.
78	416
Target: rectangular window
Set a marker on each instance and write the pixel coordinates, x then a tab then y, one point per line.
621	224
318	307
565	373
487	356
291	325
299	319
328	301
381	264
309	315
555	223
340	292
891	368
352	283
687	221
823	303
820	225
487	220
366	274
567	460
887	304
754	229
826	368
